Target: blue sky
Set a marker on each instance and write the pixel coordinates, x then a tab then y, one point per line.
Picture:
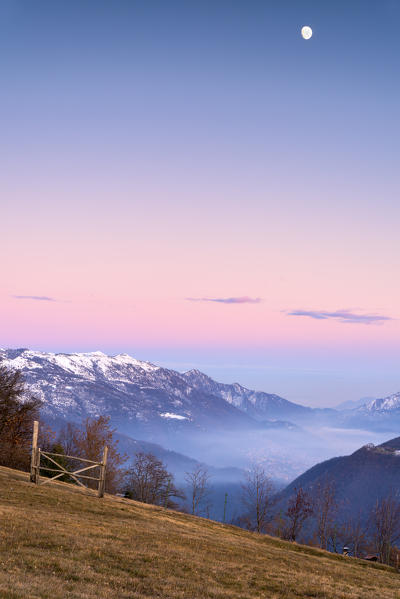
155	152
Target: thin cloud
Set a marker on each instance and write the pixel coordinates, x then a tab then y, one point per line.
36	298
344	316
227	300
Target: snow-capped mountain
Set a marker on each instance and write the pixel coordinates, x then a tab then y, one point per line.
133	393
88	384
157	405
375	415
140	396
382	406
189	413
257	404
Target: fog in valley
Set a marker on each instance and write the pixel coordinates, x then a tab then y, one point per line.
284	454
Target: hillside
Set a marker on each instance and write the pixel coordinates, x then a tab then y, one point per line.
58	542
368	474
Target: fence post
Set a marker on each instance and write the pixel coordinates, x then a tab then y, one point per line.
34	455
225	502
102	481
37	468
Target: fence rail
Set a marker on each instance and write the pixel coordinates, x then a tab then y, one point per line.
72	457
36	466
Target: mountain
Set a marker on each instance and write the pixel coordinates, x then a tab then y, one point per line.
162	406
138	396
216	423
368	474
257	404
387	405
177	463
353	404
264	407
377	414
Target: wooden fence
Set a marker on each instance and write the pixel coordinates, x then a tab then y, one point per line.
76	475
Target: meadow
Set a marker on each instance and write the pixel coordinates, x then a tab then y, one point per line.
58	541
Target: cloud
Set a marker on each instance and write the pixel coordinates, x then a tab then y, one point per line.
342	316
37	298
227	300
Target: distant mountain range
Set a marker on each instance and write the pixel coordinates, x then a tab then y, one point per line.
190	413
387	405
140	396
376	414
257	404
353	404
80	384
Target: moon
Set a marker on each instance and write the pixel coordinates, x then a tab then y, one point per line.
306	32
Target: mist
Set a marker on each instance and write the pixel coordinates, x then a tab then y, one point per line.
284	454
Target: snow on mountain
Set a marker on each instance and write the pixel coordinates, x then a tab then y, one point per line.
382	406
173	416
189	413
375	415
89	365
257	404
133	393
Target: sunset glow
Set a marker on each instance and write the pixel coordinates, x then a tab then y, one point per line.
150	161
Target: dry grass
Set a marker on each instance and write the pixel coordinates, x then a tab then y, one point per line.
56	543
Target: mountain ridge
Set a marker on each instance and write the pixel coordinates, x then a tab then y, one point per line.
124	375
217	423
145	391
258	404
382	405
359	479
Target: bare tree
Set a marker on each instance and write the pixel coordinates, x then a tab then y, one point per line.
355	534
88	441
386	526
18	410
67	438
150	482
257	492
299	509
335	536
198	488
325	511
47	437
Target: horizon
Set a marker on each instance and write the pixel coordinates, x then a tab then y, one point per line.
198	186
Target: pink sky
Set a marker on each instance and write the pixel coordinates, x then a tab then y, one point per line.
142	170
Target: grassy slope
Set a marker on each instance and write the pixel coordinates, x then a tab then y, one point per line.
58	542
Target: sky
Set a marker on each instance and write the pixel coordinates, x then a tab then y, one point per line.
193	183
